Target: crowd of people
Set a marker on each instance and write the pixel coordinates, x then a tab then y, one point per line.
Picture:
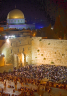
51	72
34	75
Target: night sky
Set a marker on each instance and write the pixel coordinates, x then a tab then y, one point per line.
40	12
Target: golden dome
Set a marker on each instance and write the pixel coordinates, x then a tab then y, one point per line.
15	14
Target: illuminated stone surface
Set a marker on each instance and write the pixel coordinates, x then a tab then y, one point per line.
54	53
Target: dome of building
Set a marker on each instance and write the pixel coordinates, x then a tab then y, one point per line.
15	19
15	14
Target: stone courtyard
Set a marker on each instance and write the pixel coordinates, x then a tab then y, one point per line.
41	92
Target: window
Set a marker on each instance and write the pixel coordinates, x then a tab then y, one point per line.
11	50
11	44
15	21
23	49
20	42
11	20
18	50
18	20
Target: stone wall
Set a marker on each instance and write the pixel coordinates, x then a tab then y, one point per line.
36	51
49	51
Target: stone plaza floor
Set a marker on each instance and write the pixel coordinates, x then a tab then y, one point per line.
53	92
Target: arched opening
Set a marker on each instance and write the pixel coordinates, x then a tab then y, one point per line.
23	59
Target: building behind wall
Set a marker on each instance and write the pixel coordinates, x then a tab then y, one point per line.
16	19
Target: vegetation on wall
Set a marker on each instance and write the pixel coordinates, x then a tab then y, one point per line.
35	57
52	62
38	50
48	43
44	58
63	54
41	54
40	39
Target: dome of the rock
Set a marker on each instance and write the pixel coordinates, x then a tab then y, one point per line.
15	14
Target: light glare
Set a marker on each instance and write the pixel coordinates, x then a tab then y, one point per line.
8	40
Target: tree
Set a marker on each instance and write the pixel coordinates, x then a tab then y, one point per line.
58	28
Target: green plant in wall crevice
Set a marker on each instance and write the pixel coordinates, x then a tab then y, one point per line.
35	57
52	62
40	39
38	50
63	54
44	58
48	43
41	54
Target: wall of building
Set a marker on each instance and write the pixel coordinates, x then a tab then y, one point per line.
17	46
49	51
6	68
5	50
15	21
22	26
2	61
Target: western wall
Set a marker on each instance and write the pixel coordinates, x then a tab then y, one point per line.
49	51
